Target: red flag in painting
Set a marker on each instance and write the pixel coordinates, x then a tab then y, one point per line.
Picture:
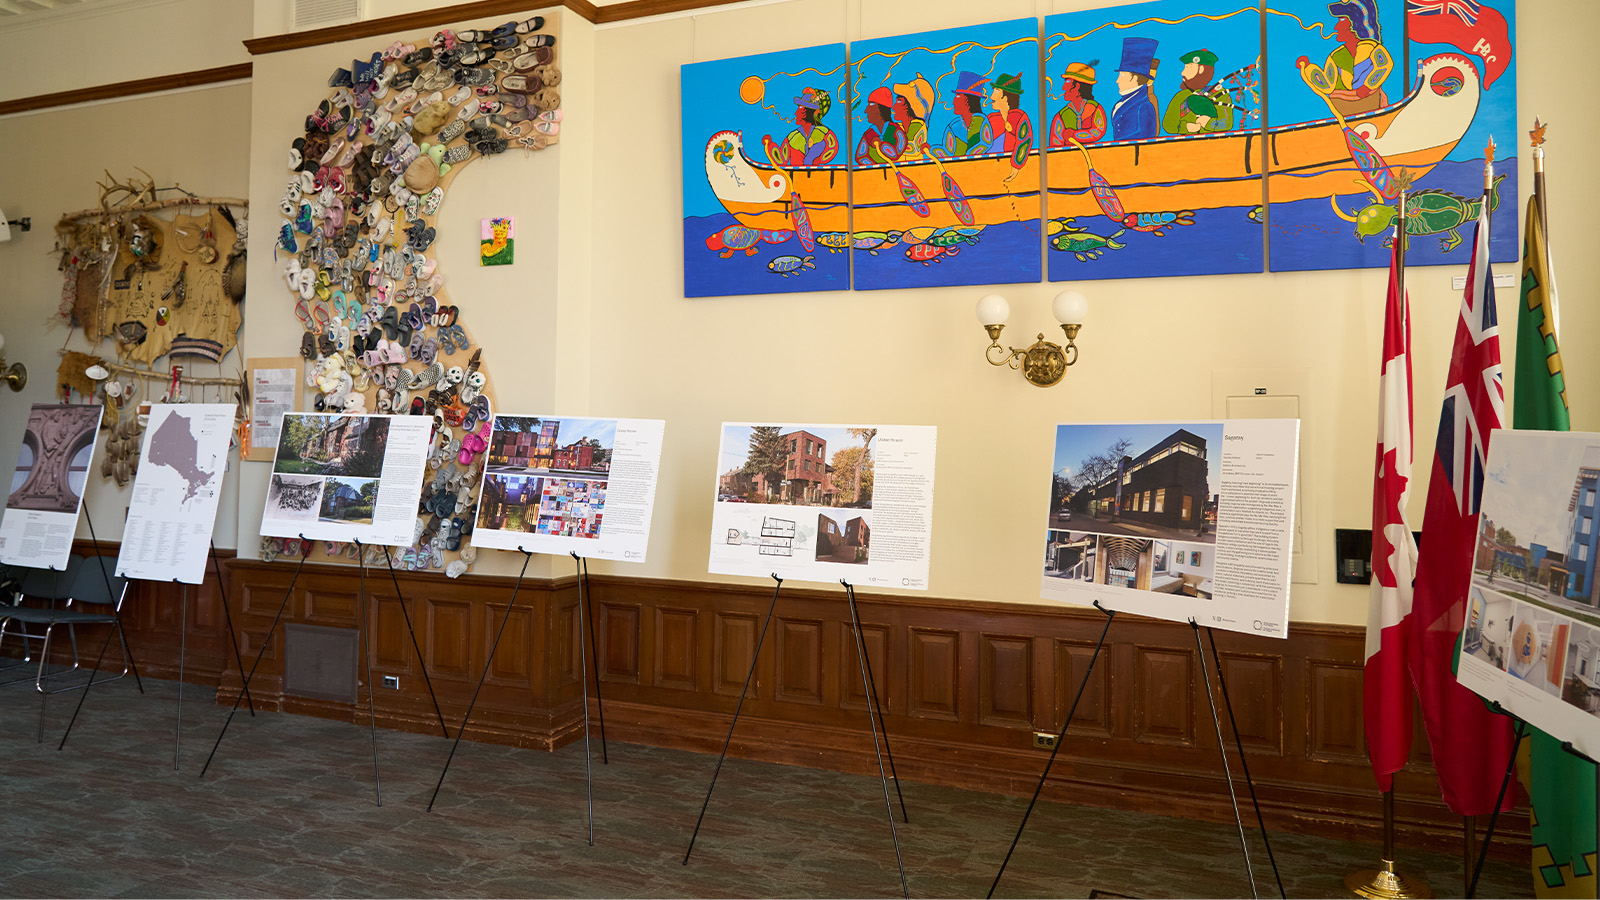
1471	745
1386	685
1468	25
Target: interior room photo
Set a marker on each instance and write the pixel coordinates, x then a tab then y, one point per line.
798	448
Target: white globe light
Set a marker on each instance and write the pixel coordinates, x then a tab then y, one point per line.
2	342
993	310
1070	308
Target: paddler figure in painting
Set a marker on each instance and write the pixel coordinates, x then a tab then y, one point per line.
1013	132
1134	116
912	102
1198	107
885	139
1357	67
969	134
811	143
1082	119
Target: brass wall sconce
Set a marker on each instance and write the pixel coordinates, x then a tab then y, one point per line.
1044	363
15	375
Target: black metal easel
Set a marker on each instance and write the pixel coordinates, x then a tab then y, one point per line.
1505	782
422	662
527	557
305	546
113	631
874	717
1221	748
366	665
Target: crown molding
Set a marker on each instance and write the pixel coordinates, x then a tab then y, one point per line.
122	90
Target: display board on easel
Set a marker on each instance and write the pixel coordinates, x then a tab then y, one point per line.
173	510
53	464
1175	520
1531	638
347	478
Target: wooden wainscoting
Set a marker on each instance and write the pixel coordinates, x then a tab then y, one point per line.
965	684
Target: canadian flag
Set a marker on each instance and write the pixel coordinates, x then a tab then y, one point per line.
1386	683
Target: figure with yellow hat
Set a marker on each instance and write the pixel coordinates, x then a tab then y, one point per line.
811	143
1198	107
913	101
1012	129
969	133
885	139
1082	120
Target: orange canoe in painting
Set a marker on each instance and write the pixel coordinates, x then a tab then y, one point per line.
1306	160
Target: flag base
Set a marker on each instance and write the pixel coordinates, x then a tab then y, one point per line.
1386	884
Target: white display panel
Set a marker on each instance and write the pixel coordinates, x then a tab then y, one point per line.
53	466
1175	520
339	477
570	484
825	503
176	492
1531	637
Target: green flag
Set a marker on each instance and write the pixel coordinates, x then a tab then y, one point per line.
1561	786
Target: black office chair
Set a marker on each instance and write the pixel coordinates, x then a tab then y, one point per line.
93	585
33	587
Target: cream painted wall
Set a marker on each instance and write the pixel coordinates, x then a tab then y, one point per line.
111	41
914	356
197	139
592	318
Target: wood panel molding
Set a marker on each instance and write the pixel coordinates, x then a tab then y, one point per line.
122	90
964	684
425	18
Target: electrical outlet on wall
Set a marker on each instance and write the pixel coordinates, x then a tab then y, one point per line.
392	682
1044	740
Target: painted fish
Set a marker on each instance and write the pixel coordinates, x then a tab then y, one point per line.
1083	244
1154	223
734	237
835	241
873	241
951	237
776	237
927	253
1257	214
790	265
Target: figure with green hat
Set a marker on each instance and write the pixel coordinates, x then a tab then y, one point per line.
1198	107
1011	127
811	143
1082	120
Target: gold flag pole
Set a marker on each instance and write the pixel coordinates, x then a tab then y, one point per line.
1385	883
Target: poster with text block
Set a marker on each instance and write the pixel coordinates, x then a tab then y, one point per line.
1175	520
47	485
340	477
825	503
570	484
173	510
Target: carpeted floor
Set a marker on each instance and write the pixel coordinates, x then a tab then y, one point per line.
287	810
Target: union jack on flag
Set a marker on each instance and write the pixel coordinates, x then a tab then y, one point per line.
1474	397
1465	10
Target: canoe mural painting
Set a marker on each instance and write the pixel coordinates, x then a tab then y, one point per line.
920	162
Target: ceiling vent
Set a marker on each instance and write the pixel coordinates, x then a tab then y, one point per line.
322	13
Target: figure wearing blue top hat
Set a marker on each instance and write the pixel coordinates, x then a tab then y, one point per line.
969	133
1134	117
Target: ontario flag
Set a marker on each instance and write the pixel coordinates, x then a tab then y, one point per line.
1386	684
1468	25
1471	745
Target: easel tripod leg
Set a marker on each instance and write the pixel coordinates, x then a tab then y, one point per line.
1494	817
594	652
872	691
527	557
1222	749
366	668
755	657
1060	739
1244	764
422	662
233	635
872	722
583	667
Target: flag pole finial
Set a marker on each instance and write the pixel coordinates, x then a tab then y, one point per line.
1488	164
1536	136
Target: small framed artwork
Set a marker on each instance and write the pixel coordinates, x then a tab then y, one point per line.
1194	557
1180	557
498	241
